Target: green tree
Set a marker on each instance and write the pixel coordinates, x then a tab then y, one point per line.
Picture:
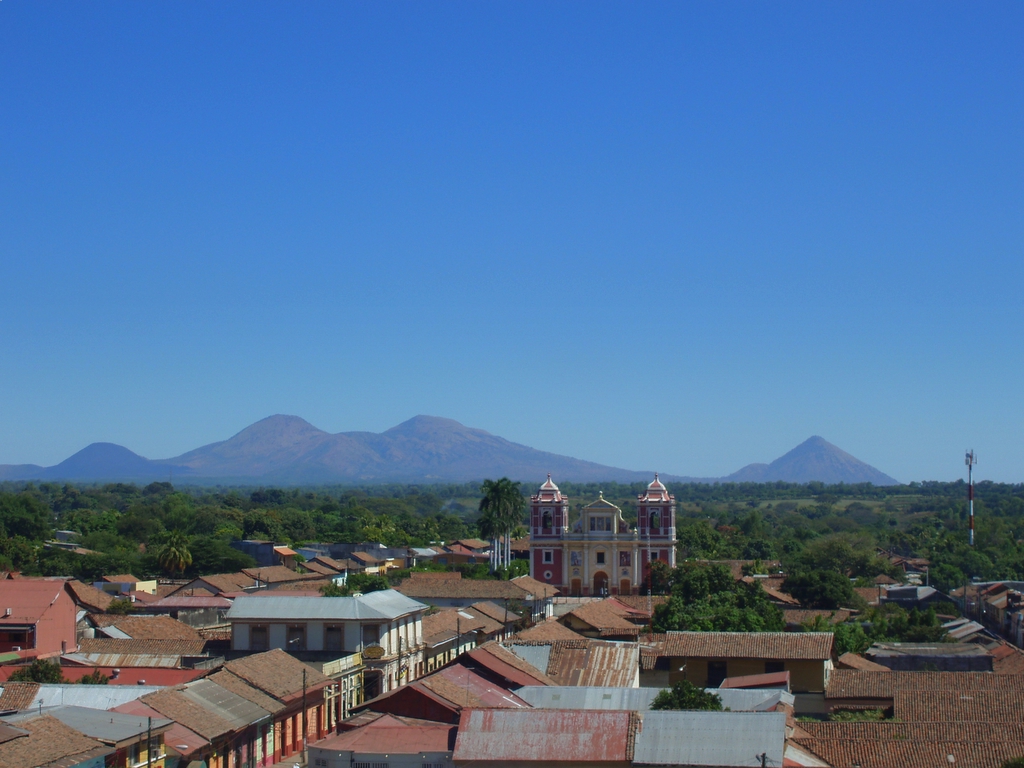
174	556
686	695
706	598
121	607
94	678
503	501
820	589
39	671
365	582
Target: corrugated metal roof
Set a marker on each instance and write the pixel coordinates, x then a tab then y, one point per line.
230	706
108	727
90	696
385	604
710	738
123	660
752	699
534	655
543	735
594	662
587	697
639	699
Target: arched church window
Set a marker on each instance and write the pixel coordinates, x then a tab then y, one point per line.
546	519
655	516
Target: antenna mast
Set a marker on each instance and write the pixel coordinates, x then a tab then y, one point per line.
970	460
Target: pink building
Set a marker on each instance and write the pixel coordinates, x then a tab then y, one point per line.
37	615
600	555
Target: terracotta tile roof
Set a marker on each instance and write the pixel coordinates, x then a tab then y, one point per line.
50	743
18	696
335	565
639	602
470	589
142	647
502	661
778	595
88	597
856	661
604	617
240	687
146	627
538	589
121	578
366	558
959	706
870	594
447	623
220	582
181	709
275	574
473	543
497	612
911	754
856	684
545	632
319	568
750	645
275	673
1007	660
489	625
918	731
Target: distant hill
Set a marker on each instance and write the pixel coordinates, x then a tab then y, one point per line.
815	459
288	450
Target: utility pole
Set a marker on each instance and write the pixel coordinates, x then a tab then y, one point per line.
149	741
970	460
763	757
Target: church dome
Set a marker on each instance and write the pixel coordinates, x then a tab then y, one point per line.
549	485
655	485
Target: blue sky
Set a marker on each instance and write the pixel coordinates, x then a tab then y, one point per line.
681	237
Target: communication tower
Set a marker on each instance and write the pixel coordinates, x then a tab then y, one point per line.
970	460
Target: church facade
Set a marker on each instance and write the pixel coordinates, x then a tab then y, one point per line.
600	554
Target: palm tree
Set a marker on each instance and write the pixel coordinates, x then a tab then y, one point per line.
490	530
174	556
504	503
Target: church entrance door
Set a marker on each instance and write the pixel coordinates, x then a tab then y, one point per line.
600	583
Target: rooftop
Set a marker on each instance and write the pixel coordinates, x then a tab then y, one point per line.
276	673
711	738
384	605
749	645
393	735
50	743
27	599
110	728
555	736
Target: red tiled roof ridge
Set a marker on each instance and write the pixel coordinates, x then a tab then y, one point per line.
750	645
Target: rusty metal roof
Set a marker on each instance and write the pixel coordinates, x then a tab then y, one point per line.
594	662
544	735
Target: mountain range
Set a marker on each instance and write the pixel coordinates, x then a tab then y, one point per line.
289	450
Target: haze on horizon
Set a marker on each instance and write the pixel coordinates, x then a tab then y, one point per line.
683	237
